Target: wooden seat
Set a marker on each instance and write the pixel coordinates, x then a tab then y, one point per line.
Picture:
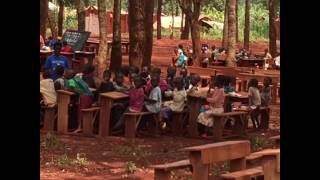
219	122
50	115
132	121
89	115
246	174
162	171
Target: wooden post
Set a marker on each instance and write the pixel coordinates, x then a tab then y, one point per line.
63	110
87	123
194	103
49	117
218	126
104	125
177	123
200	170
130	126
160	174
270	170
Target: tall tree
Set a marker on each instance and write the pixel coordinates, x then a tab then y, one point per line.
193	18
186	29
81	15
231	53
237	21
246	33
116	54
159	10
102	54
43	17
60	18
272	28
172	21
149	9
225	26
137	37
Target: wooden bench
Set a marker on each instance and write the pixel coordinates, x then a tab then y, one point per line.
162	171
220	119
246	174
50	115
276	139
132	121
201	156
269	159
89	115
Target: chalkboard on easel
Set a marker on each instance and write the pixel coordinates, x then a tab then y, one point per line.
76	39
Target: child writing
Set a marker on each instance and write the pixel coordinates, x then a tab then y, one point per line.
216	104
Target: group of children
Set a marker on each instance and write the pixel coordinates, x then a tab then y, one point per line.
146	90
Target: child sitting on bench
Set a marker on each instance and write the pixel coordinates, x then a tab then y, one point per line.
216	104
77	85
179	96
136	101
193	87
118	84
254	101
49	95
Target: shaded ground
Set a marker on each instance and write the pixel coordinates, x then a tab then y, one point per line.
108	158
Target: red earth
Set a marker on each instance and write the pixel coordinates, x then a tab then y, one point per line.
106	158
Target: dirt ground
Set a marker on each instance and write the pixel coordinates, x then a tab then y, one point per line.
114	157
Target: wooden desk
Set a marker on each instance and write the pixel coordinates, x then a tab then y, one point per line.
250	62
201	156
106	102
63	107
245	77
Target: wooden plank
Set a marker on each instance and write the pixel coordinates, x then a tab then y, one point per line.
105	111
87	122
218	126
173	165
252	172
49	118
130	126
269	164
222	151
114	95
63	113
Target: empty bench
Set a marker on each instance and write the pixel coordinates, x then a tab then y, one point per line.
162	171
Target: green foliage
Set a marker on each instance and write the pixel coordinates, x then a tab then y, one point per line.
65	161
124	150
259	142
219	169
51	141
130	167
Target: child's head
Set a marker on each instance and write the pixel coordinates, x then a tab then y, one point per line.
180	46
124	70
107	75
88	69
156	71
177	83
137	80
184	72
155	79
69	74
57	47
65	43
59	71
171	71
253	83
218	81
213	47
133	69
195	79
144	72
266	50
119	78
267	81
46	75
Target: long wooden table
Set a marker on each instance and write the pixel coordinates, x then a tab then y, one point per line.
106	102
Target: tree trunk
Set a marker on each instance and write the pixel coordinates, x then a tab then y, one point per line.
246	33
181	25
225	26
116	54
237	21
172	22
231	60
43	17
272	28
159	10
102	54
81	15
149	9
136	31
186	29
195	32
60	18
52	25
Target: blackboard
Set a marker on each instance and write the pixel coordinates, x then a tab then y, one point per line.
76	39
